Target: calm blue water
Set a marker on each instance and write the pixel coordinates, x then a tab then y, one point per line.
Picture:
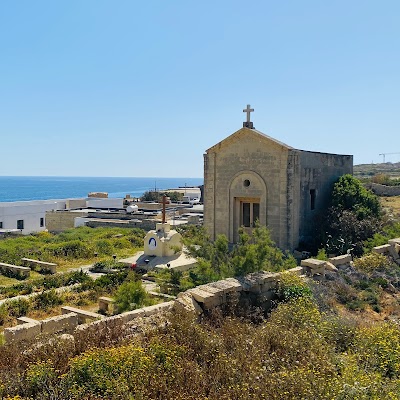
17	188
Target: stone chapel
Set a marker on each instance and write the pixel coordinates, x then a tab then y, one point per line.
250	176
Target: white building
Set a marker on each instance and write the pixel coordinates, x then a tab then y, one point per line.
27	216
30	216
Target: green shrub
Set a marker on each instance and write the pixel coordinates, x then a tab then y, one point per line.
3	314
18	308
372	262
131	295
103	246
46	300
356	305
71	249
349	194
291	287
321	255
103	265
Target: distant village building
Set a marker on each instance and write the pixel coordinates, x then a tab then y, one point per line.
27	217
250	176
33	216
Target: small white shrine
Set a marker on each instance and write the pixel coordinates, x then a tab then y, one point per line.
163	241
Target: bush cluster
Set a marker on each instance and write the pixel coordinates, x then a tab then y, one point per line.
298	353
77	243
217	260
47	282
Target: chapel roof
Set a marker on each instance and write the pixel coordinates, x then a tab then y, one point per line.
261	135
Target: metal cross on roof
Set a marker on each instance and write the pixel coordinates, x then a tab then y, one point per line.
248	123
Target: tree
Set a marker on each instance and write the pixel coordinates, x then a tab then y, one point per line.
349	194
150	195
353	218
254	252
174	196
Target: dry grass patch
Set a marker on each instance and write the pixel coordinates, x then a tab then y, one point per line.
393	204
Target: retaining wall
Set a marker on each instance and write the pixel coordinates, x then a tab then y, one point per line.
392	249
383	190
198	300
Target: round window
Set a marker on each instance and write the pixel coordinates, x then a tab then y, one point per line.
246	183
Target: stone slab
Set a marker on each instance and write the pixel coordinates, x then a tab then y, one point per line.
312	263
394	241
274	276
131	315
330	267
234	283
211	289
251	283
206	298
157	308
60	323
186	301
296	271
16	269
105	302
83	315
344	259
26	320
384	249
393	252
52	267
18	333
226	286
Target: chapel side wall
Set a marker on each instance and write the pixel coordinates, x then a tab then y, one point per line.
293	200
319	171
246	152
209	194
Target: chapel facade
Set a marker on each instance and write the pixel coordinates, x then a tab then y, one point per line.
251	177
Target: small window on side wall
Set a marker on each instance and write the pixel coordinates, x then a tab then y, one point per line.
312	199
20	224
1	224
41	222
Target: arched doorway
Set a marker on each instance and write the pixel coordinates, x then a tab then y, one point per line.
248	203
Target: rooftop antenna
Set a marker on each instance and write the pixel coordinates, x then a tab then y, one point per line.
164	201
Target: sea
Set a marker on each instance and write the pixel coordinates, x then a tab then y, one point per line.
24	188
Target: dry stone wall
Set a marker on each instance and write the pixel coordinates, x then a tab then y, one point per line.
197	300
383	190
392	249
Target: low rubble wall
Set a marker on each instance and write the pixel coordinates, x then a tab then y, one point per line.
384	190
392	248
198	300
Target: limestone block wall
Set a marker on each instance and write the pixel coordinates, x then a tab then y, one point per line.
15	270
197	300
75	203
22	332
145	224
59	221
29	330
383	190
246	157
392	249
319	171
60	323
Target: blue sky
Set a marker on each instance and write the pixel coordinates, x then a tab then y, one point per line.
129	88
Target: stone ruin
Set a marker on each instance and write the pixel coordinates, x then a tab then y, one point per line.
392	248
198	300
